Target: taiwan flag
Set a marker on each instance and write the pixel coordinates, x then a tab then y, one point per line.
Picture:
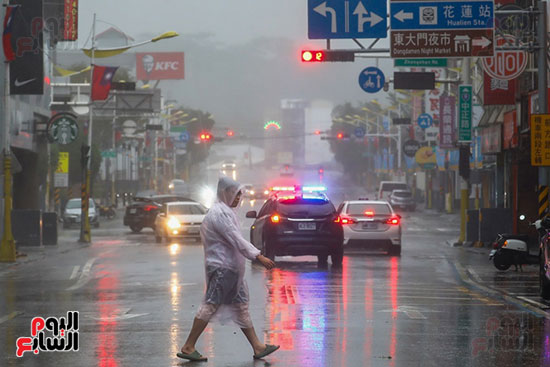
101	82
8	32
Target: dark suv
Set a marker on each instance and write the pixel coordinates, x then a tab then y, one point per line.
298	224
143	210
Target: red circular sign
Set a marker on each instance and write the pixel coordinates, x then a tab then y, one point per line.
505	65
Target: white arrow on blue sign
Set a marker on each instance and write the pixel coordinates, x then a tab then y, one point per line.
347	19
360	132
423	15
184	137
425	120
371	79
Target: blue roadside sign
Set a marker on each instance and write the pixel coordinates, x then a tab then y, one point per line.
360	132
425	121
347	19
371	79
184	137
426	15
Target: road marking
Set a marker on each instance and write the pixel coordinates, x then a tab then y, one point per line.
411	312
513	300
10	316
474	274
538	304
75	272
84	276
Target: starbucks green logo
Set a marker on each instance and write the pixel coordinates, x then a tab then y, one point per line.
63	128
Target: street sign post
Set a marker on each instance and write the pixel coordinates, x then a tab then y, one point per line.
360	132
371	79
347	19
425	120
465	113
401	121
421	29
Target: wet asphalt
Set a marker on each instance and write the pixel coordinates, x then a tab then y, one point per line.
435	305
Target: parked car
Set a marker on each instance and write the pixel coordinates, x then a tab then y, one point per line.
143	211
298	224
402	199
73	212
386	187
179	219
370	225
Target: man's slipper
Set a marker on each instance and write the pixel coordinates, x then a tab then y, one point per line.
267	351
195	356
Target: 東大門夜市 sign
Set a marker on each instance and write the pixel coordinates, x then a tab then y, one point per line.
427	29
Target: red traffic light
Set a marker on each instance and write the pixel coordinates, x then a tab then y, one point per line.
313	56
321	171
230	133
340	136
317	132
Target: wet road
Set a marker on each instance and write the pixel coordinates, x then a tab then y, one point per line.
433	306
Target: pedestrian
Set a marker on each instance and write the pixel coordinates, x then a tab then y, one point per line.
225	254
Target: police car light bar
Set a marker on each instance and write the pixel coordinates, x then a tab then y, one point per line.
314	188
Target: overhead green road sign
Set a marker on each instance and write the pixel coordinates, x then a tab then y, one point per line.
108	154
423	63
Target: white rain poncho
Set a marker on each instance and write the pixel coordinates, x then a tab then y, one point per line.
225	254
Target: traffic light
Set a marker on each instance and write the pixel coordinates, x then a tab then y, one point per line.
205	137
317	132
327	56
340	136
230	133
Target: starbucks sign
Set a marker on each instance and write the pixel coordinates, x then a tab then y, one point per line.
62	128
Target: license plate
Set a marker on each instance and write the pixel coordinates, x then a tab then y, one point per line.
132	211
369	226
192	230
307	226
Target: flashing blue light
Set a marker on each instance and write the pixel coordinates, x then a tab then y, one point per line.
314	188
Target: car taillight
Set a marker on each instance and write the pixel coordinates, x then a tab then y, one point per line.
348	220
275	218
369	213
505	243
148	208
338	219
393	221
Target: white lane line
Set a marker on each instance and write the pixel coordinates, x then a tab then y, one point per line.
10	316
84	276
75	272
474	275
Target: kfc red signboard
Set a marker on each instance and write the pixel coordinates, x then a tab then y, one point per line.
498	91
159	65
505	65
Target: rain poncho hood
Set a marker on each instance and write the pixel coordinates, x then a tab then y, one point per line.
225	248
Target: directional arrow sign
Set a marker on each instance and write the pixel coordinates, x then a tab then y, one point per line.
347	19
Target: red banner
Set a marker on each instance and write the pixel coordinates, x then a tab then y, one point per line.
510	130
159	66
70	32
498	92
447	135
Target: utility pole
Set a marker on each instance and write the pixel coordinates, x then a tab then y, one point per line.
542	86
7	246
85	231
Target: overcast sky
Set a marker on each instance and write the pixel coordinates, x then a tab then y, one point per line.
231	21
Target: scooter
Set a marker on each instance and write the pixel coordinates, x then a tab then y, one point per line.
107	211
513	249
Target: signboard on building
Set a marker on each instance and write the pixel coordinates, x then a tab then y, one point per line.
498	91
491	139
421	29
465	113
540	140
447	114
510	130
70	29
63	163
160	66
506	64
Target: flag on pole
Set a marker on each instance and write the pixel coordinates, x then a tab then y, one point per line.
9	53
101	82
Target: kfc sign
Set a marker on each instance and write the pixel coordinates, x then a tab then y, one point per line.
159	65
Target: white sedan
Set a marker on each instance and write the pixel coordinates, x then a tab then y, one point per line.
370	225
179	219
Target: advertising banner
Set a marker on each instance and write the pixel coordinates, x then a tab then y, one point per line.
447	133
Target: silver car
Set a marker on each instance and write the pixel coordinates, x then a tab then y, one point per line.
402	199
73	210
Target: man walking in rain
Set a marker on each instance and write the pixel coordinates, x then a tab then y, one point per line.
225	254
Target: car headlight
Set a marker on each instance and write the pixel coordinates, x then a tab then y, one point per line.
173	223
252	192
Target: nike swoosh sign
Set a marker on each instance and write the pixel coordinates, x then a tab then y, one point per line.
20	84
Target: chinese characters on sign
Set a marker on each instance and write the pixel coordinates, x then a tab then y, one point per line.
465	113
540	140
447	115
498	91
71	20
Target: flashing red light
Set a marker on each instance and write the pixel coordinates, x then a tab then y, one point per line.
275	218
317	132
148	208
340	136
321	171
313	56
205	137
230	133
393	221
347	220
